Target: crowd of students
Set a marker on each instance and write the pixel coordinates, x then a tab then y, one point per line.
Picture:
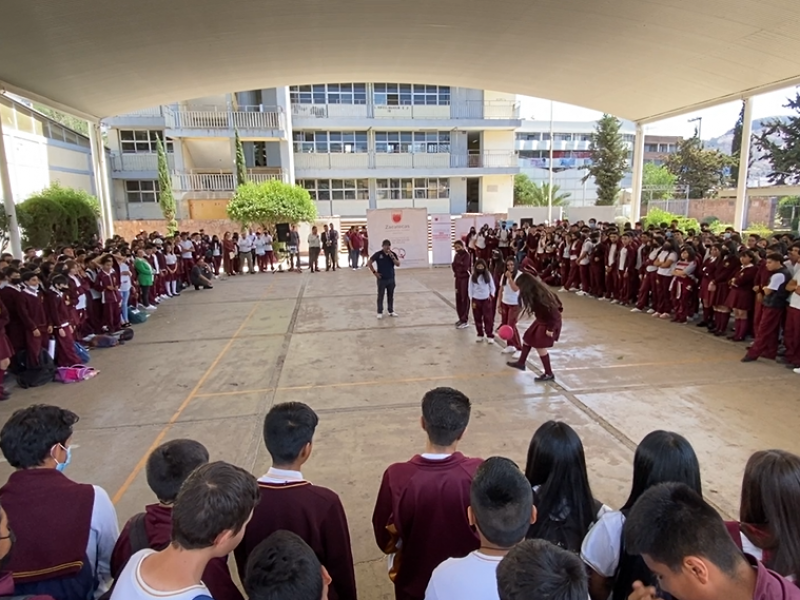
742	288
454	527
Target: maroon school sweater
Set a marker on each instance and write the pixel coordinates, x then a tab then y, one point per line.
423	503
316	515
158	525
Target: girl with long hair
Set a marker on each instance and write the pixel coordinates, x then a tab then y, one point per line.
481	293
556	470
741	297
684	285
215	249
535	299
661	457
727	266
769	522
508	305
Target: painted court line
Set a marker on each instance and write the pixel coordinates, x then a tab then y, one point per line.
191	396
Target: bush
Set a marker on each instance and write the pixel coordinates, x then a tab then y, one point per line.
269	203
709	220
760	229
656	217
57	216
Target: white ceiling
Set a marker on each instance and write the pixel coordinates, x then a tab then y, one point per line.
637	59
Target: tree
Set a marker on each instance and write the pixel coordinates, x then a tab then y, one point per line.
536	194
241	167
701	171
736	146
165	197
57	216
524	190
66	120
780	143
270	203
657	182
609	159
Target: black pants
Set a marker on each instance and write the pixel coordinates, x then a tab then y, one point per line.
145	294
386	286
313	258
330	259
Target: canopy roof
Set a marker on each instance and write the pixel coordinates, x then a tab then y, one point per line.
637	59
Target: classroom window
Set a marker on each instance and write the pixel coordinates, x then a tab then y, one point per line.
415	142
404	94
336	189
406	189
529	136
330	142
330	93
142	141
139	191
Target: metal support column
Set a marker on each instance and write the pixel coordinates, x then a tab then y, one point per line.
744	159
100	169
638	172
8	200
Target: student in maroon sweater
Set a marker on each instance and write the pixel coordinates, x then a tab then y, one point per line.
290	502
462	265
7	541
167	468
685	543
421	509
283	567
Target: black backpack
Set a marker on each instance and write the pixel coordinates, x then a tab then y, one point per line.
564	533
33	376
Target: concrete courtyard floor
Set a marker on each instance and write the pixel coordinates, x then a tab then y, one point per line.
210	364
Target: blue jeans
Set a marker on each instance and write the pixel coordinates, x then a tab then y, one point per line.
354	254
124	305
386	286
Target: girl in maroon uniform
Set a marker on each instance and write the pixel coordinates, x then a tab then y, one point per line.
107	283
56	301
684	285
6	349
535	299
741	297
727	266
706	293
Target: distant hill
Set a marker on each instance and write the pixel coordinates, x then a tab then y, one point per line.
760	166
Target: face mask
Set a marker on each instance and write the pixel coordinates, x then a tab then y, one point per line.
61	466
481	270
7	558
727	236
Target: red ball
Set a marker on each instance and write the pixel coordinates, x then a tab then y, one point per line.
505	332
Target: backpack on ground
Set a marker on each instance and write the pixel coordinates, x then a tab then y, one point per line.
103	341
74	373
33	376
137	316
126	335
82	352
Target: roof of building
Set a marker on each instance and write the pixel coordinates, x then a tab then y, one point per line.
637	59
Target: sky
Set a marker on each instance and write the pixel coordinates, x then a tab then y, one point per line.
716	121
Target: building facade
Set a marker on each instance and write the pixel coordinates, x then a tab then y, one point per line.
353	146
41	151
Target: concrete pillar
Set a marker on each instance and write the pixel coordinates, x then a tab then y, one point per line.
744	159
8	200
100	168
638	172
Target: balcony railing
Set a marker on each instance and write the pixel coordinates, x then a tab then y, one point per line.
473	109
376	160
147	113
221	181
138	162
271	118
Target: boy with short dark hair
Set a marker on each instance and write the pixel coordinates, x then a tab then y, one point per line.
283	567
291	503
686	545
773	306
421	509
501	510
538	569
208	521
168	466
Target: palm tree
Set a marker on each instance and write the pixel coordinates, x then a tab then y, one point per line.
530	193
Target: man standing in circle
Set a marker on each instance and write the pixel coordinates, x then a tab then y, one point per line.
386	261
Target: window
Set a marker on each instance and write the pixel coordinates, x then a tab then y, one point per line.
145	190
141	141
529	136
403	94
562	137
331	93
651	147
336	189
334	142
416	142
406	189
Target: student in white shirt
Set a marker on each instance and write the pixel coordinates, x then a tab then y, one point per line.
481	291
501	510
661	457
208	521
508	306
260	246
125	285
245	247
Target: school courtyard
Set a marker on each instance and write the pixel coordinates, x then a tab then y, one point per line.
210	364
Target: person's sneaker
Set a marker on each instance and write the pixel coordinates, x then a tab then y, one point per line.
563	289
458	323
656	315
479	339
393	314
5	396
796	371
151	307
509	350
580	293
615	302
517	355
516	365
490	340
636	310
380	315
463	326
603	299
748	358
545	377
665	315
651	311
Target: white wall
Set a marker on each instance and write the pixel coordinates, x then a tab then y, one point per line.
497	193
498	141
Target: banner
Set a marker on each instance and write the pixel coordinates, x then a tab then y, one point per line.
441	243
406	229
